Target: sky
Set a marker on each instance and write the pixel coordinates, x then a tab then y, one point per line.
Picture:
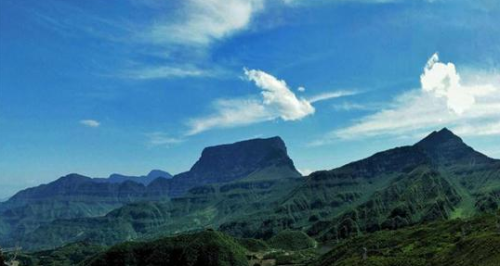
133	85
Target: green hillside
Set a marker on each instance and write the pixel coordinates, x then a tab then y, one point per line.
472	242
208	248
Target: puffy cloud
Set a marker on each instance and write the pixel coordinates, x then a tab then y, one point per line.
469	108
301	89
277	102
443	81
90	123
278	97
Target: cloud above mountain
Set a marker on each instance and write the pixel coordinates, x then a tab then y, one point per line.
470	106
277	101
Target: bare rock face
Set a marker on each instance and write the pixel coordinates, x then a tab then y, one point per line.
230	162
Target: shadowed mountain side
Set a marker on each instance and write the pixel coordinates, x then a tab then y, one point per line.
390	189
76	196
230	162
208	205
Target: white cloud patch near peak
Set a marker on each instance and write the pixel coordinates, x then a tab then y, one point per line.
90	123
443	81
468	105
277	101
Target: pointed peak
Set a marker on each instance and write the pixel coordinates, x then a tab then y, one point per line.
439	137
445	147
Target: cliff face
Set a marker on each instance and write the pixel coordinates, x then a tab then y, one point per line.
230	162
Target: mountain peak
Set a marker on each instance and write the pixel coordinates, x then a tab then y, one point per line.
437	138
243	155
445	147
229	162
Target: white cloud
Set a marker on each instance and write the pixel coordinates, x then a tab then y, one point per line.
278	97
200	22
349	106
470	108
301	89
443	81
161	139
231	113
165	72
330	95
90	123
277	102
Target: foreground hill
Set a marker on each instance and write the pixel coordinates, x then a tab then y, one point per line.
473	242
459	242
207	248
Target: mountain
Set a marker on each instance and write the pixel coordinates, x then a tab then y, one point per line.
447	149
438	178
68	197
145	180
230	162
261	165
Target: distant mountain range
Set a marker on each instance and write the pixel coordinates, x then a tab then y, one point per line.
252	189
77	196
145	179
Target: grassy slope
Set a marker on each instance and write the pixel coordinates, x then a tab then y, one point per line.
447	243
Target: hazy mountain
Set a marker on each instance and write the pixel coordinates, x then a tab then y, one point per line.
439	178
262	162
145	180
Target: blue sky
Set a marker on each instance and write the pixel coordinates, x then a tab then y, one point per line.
128	86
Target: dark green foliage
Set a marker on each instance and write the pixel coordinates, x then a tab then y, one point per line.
71	254
472	242
253	245
291	240
207	248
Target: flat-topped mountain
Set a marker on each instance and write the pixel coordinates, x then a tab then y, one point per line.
225	163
